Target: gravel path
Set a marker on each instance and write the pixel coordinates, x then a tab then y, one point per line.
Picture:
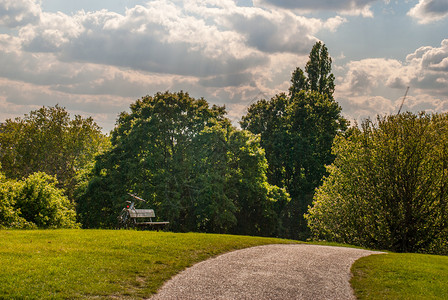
269	272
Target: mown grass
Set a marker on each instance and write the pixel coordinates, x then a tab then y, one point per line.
127	264
103	264
401	276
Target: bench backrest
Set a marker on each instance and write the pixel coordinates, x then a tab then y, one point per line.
142	213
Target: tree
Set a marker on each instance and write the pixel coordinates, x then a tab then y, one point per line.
320	79
269	119
297	133
213	209
259	204
189	163
387	188
47	140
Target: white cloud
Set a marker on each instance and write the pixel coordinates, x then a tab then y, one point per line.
332	24
267	30
428	103
15	13
349	7
360	108
159	37
428	11
377	85
18	98
209	48
51	34
366	76
262	29
431	69
96	63
426	69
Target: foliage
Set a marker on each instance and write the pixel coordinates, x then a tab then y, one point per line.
318	68
103	264
191	165
400	276
47	140
387	188
43	204
9	215
297	132
34	202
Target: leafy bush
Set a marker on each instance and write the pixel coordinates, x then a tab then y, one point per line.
388	187
34	202
9	215
43	204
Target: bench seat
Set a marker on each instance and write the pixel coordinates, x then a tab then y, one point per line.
135	214
142	213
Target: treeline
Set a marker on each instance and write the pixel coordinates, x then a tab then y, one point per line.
186	158
203	174
295	169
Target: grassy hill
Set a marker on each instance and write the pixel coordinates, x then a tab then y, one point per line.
127	264
70	264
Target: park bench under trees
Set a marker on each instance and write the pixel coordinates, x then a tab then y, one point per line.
133	217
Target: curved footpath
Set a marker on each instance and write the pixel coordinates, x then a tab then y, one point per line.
269	272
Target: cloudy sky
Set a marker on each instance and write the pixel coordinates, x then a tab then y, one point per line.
97	57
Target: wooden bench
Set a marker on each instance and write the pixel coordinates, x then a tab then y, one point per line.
136	214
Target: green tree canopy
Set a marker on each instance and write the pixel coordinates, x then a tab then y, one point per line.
387	188
47	140
297	133
190	164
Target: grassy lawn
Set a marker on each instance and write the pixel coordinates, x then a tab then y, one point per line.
105	264
401	276
100	264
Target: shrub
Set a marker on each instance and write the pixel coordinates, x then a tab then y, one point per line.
388	187
41	203
9	215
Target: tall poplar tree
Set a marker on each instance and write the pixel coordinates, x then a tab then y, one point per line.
318	69
297	132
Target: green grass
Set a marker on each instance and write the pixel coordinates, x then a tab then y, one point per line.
127	264
401	276
102	264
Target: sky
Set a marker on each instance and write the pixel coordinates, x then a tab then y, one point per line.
95	58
